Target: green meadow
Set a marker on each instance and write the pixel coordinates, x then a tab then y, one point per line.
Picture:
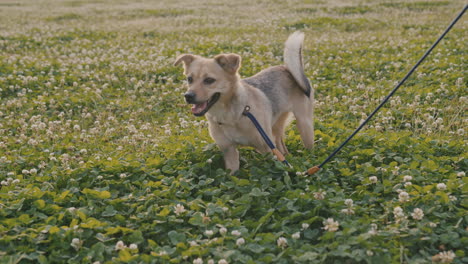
101	160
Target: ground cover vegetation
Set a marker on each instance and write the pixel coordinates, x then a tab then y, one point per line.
101	160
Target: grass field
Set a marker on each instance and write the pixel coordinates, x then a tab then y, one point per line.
101	160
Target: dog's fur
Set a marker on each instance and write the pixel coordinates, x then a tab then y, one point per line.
272	94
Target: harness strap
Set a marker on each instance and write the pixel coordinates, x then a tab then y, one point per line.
265	137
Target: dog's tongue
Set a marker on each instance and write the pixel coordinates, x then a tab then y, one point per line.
198	108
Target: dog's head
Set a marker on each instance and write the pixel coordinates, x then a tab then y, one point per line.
208	79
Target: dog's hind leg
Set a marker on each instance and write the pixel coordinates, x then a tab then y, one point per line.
278	133
304	114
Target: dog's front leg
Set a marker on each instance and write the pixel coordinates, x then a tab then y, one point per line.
231	158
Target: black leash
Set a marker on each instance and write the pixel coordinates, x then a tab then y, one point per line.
265	137
317	168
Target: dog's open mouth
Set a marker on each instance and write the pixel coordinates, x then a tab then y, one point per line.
201	109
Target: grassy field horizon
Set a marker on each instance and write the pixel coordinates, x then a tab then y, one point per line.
101	160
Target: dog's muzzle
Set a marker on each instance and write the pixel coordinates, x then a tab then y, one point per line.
200	109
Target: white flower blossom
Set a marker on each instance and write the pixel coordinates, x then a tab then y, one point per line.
76	243
235	233
222	261
399	214
282	242
403	197
133	246
373	179
305	226
407	178
120	245
441	187
179	209
222	231
331	225
198	261
417	214
320	195
240	242
444	257
296	235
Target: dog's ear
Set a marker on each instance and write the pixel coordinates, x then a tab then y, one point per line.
186	59
229	62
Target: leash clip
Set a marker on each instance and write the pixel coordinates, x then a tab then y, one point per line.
246	110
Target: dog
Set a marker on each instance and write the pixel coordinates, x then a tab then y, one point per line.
216	91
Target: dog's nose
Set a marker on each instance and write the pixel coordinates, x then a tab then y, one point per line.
190	97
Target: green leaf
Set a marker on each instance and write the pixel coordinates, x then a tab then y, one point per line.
176	237
256	192
97	194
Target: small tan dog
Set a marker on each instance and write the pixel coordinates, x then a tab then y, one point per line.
216	89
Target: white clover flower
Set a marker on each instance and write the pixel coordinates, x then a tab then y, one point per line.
222	231
441	186
24	172
210	261
83	151
235	233
399	214
373	179
349	202
305	226
133	246
209	161
320	195
407	184
240	242
179	209
369	253
296	235
76	243
193	243
331	225
347	211
432	224
15	181
461	174
209	233
120	245
373	230
403	197
444	257
282	242
122	175
407	178
417	214
222	261
198	261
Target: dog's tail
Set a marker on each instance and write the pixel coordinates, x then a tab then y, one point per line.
293	60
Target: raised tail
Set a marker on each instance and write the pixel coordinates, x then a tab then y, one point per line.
293	60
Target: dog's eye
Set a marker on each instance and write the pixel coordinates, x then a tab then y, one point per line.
209	81
190	79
